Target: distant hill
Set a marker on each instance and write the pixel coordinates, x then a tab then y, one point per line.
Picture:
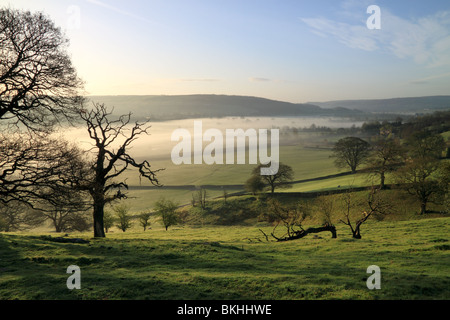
395	105
174	107
195	106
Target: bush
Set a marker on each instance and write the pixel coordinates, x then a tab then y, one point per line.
166	209
108	220
144	220
123	219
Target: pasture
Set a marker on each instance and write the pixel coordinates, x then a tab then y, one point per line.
227	262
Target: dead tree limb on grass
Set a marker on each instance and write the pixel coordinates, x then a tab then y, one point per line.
292	218
303	233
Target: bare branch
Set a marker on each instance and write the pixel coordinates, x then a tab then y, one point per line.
113	137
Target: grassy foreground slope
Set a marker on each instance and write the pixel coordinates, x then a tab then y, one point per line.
223	263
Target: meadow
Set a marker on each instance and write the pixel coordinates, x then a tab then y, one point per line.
207	260
228	262
303	151
220	178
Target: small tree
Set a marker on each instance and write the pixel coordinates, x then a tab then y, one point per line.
17	216
144	220
65	207
375	205
387	154
39	170
108	220
420	174
351	152
444	182
200	197
225	195
325	204
280	179
123	218
254	184
166	209
78	221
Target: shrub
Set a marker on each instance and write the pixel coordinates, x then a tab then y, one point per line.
123	218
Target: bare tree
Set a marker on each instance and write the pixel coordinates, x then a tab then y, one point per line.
43	174
38	88
422	164
65	206
200	197
280	179
19	173
325	205
17	216
387	154
111	158
38	83
33	167
375	206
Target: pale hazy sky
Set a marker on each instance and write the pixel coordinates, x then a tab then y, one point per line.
288	50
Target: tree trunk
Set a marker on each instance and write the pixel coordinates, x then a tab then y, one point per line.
382	178
303	233
56	225
99	230
423	207
357	232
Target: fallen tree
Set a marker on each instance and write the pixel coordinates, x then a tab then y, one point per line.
303	233
292	218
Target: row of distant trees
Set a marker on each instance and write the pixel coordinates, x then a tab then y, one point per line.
121	218
416	163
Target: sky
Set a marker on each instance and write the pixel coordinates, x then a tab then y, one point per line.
290	50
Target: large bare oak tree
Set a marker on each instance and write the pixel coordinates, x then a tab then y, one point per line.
39	87
38	83
112	138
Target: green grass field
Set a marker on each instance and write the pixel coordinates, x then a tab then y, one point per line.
203	261
307	163
222	263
